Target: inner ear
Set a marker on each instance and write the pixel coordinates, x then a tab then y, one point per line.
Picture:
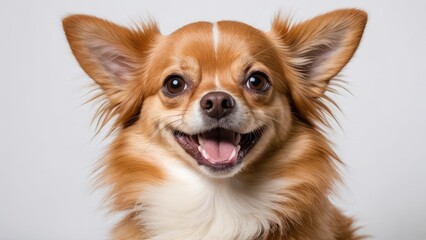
116	62
314	57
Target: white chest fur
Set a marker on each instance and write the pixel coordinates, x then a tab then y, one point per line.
191	206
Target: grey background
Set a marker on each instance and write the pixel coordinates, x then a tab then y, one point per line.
47	149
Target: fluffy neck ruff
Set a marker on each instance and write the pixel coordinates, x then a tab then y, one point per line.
282	195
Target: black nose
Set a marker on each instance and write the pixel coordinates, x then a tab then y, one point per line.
217	104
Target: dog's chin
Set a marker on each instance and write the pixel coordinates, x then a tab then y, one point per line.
219	152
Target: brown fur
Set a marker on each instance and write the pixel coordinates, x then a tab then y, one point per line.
301	60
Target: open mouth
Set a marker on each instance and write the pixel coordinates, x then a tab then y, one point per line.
218	148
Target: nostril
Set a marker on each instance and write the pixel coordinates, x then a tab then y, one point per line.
228	103
208	104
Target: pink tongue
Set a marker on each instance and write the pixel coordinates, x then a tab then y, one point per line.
219	145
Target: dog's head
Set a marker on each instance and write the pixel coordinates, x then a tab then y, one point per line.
218	96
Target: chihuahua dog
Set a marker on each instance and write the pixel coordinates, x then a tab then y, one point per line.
217	126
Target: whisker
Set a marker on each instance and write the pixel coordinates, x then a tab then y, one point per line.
255	112
275	133
269	117
151	138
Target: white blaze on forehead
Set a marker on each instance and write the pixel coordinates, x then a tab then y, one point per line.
215	30
215	36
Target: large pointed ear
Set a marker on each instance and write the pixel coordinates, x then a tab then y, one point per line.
316	51
113	56
322	46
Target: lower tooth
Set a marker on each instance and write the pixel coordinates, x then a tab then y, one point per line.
205	155
232	155
203	152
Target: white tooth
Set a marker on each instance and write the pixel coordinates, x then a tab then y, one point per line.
232	155
238	148
205	155
200	139
200	149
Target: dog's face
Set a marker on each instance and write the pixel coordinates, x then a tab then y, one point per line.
219	89
218	96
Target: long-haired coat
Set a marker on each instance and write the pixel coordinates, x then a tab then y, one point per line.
216	126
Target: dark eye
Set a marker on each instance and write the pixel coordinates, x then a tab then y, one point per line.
174	85
258	82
